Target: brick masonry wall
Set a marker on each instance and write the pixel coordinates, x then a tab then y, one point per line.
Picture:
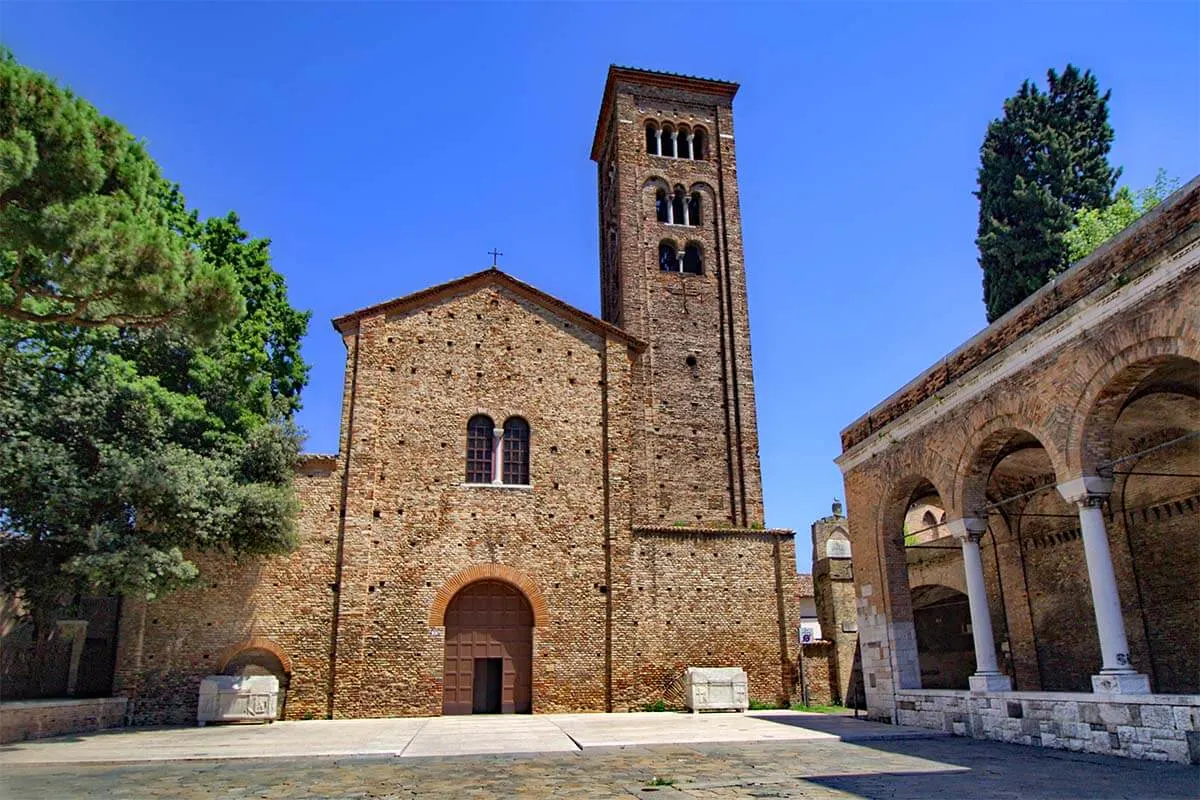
821	674
833	588
702	598
37	719
412	526
700	420
167	646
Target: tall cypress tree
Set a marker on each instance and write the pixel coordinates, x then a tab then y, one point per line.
1045	159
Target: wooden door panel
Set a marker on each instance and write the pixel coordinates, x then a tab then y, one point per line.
488	620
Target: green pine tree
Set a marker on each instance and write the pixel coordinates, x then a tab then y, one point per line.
1040	163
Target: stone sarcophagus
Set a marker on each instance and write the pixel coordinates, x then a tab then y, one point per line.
716	689
238	698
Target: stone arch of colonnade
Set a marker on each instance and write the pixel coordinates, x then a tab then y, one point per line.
1079	570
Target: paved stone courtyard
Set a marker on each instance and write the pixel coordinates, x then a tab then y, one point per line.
948	768
713	756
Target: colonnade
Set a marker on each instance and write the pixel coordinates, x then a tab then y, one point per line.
1117	675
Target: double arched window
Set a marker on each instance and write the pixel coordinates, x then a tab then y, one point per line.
690	261
676	142
677	208
502	458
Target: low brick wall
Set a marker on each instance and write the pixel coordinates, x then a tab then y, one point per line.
1157	727
37	719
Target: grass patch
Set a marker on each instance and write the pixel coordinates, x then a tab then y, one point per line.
764	705
820	709
660	781
657	705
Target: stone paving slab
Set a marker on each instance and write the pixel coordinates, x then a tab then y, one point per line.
277	740
613	730
817	769
471	735
444	736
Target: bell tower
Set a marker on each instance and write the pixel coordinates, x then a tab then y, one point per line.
672	274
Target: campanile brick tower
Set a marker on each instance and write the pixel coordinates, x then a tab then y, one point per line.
672	274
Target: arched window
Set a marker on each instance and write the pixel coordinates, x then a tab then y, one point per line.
668	142
480	447
652	141
668	261
699	143
661	207
692	263
516	451
684	149
679	207
694	209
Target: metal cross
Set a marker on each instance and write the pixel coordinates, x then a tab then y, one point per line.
494	253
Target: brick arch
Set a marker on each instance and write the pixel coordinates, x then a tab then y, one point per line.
895	506
1100	403
481	572
254	643
979	455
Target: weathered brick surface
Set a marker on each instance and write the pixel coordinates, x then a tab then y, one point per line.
1121	385
639	542
699	431
38	719
833	590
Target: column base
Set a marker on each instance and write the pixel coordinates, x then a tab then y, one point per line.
990	682
1121	683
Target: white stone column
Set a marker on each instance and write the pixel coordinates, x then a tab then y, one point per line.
682	253
691	152
1117	675
498	456
675	144
658	141
670	208
987	677
686	214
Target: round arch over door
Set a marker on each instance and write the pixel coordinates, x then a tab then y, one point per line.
489	651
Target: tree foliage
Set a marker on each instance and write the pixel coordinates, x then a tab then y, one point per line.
84	234
123	449
1095	226
1043	161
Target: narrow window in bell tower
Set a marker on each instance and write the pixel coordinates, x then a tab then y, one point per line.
694	209
652	140
661	206
668	261
692	262
679	207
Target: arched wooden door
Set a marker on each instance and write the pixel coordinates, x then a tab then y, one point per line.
489	651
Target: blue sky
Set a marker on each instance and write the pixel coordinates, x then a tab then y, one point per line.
384	147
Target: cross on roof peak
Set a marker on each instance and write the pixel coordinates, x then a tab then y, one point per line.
495	254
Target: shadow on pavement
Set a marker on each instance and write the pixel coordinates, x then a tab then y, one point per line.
956	767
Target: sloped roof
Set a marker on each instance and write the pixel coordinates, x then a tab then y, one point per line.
651	77
488	277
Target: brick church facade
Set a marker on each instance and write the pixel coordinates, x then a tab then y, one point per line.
531	509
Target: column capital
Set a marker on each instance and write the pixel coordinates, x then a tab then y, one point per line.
972	528
1086	490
